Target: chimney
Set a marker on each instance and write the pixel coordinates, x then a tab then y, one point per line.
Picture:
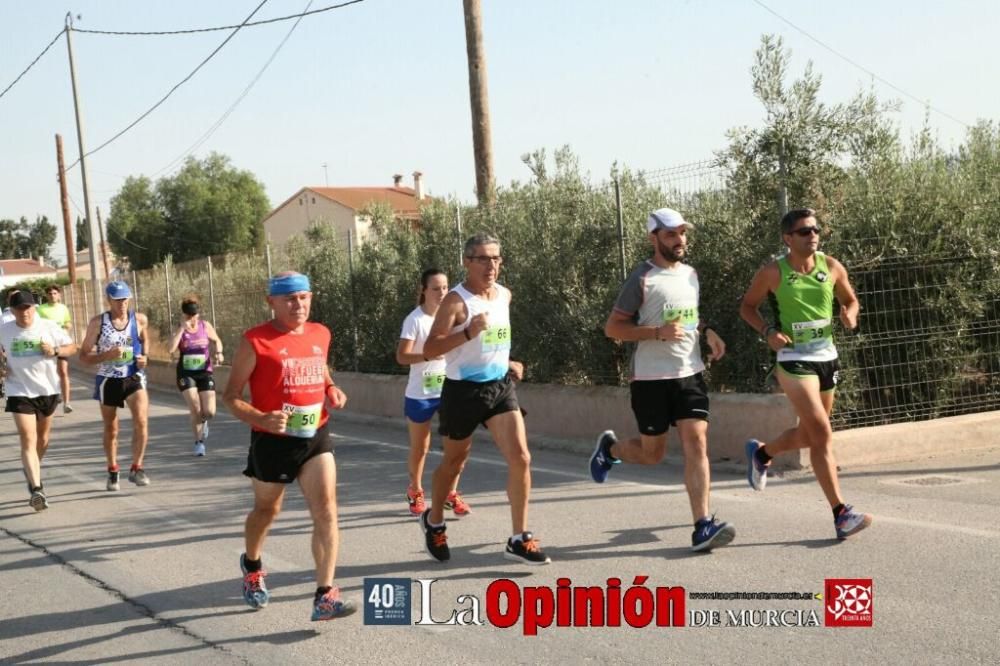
418	185
397	180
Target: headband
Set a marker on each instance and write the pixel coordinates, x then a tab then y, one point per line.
288	284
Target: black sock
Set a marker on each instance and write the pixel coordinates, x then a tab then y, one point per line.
320	591
762	456
38	487
252	565
836	510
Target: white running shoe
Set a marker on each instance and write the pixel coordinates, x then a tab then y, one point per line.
199	448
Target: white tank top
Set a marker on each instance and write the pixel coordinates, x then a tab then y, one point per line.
485	357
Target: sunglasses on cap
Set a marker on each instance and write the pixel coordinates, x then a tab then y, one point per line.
805	231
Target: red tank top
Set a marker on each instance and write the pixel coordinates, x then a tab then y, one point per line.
290	375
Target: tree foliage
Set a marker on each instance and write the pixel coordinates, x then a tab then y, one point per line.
22	240
208	207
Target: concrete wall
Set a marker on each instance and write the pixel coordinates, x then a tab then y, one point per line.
571	417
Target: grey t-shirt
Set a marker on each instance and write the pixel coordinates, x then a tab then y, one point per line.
653	296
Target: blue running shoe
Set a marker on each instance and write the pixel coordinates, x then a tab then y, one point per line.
756	473
709	533
254	590
601	460
850	522
329	605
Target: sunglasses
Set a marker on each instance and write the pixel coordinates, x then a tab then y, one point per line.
806	231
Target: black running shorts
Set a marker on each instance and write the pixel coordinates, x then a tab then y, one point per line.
43	405
203	381
279	459
661	403
828	372
114	391
464	405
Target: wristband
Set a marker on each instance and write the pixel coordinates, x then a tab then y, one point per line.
769	330
465	332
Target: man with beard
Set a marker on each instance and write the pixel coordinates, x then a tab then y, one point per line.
657	309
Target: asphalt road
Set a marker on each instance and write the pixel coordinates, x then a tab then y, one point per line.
152	573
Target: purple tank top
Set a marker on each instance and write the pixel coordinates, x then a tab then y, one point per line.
194	350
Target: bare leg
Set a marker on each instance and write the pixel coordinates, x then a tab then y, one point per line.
697	475
456	452
318	480
194	411
420	443
138	403
110	417
29	448
642	450
267	499
512	441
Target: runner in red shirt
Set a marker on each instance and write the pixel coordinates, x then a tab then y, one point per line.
284	363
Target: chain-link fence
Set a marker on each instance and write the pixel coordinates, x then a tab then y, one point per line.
928	344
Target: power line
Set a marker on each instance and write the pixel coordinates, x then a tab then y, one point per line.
222	27
861	67
171	91
37	58
218	123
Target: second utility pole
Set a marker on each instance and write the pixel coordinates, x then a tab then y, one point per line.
91	222
482	140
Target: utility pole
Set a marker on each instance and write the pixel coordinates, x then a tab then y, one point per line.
91	222
482	140
104	250
67	225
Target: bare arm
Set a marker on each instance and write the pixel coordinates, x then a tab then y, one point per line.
764	282
621	326
142	323
451	314
175	341
213	336
243	365
849	304
335	397
405	354
87	354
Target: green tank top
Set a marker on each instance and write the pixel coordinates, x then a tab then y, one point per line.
803	305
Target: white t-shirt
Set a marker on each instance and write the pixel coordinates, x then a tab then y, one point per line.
426	378
30	373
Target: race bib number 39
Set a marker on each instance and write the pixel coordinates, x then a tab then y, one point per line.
303	421
688	316
433	382
810	336
496	338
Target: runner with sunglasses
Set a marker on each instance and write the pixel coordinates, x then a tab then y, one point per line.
802	287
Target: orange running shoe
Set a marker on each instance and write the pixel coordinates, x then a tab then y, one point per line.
416	501
455	502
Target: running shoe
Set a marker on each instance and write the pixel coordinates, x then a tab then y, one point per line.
526	550
112	480
756	472
415	498
329	605
601	460
456	503
435	539
38	501
67	408
204	430
709	533
137	475
199	449
850	522
254	590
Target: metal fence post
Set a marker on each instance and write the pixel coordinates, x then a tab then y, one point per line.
458	227
135	289
267	254
86	305
354	313
166	272
621	227
211	292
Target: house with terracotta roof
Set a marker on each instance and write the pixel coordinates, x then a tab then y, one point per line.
340	207
13	271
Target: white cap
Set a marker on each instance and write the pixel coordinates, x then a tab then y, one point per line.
665	218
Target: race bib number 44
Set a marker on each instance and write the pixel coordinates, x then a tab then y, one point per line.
496	338
688	316
303	420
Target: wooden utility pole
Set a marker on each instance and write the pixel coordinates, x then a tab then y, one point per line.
67	225
104	249
482	140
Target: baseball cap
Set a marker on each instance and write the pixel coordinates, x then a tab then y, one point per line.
22	298
118	290
665	218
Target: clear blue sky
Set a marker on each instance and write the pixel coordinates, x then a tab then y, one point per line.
382	87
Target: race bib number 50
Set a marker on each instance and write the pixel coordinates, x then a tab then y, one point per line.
303	421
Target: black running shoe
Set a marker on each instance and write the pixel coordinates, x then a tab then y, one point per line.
526	550
435	539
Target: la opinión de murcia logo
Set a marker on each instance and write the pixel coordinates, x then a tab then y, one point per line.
849	602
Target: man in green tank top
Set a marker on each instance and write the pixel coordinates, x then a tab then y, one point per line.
803	288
